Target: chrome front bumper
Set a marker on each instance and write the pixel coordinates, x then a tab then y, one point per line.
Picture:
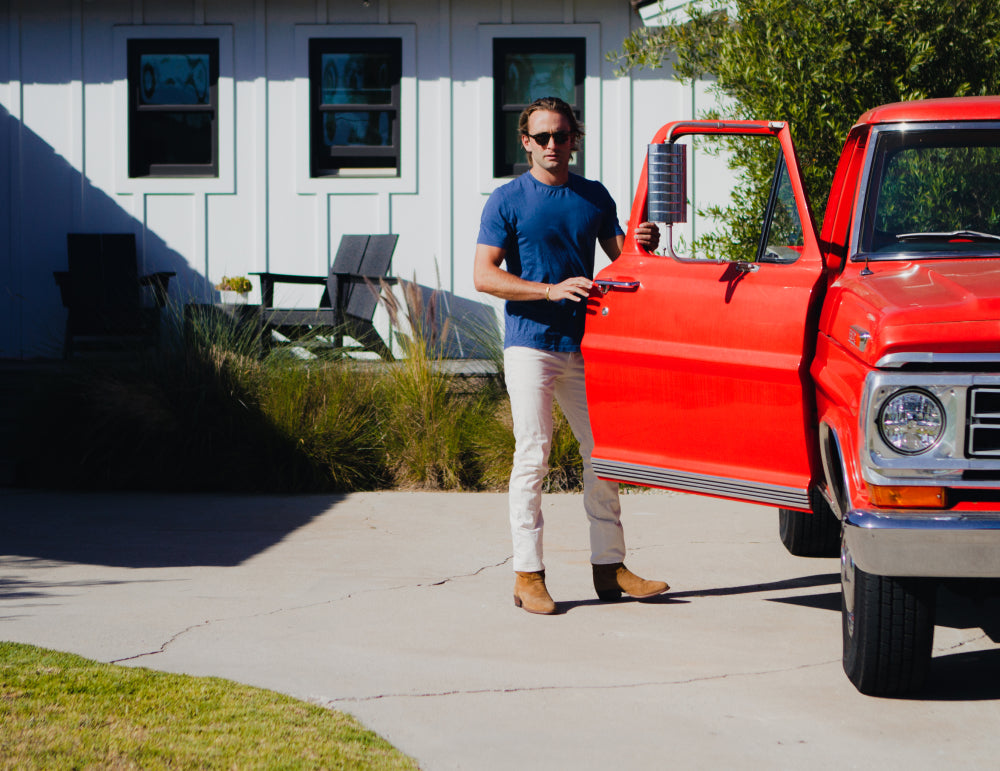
938	545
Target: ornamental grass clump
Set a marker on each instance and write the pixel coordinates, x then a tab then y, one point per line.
329	413
316	420
428	425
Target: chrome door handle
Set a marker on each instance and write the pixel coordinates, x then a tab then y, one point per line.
604	286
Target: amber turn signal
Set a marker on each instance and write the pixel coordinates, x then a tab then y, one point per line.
909	497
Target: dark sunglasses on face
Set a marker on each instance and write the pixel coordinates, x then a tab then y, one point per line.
561	137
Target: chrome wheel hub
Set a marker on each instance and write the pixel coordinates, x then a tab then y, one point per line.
847	584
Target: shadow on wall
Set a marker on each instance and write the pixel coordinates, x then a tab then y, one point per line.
459	328
57	199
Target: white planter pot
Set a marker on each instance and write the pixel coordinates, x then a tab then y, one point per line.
234	298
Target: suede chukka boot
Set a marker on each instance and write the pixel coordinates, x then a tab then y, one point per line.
611	580
530	593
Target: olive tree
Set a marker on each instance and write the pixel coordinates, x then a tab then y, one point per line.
818	64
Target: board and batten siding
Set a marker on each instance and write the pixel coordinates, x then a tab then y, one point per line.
63	141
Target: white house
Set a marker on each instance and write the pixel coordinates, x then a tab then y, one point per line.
234	136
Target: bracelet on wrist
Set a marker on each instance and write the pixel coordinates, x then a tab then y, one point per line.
547	288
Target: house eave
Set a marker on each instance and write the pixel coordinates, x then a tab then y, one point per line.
660	13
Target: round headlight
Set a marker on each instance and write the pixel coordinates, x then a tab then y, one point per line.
911	421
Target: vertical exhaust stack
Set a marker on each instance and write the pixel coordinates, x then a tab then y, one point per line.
666	182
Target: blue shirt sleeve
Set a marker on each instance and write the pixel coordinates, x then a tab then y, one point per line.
494	228
609	225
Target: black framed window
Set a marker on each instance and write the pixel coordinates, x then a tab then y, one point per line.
525	69
173	87
354	86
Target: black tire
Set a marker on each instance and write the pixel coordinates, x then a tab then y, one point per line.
810	534
888	629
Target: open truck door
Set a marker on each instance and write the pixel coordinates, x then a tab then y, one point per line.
698	369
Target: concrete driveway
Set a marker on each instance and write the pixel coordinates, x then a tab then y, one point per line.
397	607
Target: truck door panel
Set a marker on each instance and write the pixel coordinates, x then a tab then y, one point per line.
698	377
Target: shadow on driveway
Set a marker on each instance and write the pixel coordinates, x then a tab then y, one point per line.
970	676
151	531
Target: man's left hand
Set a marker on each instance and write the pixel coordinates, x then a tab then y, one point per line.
647	235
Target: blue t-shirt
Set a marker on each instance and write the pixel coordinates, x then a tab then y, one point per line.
549	233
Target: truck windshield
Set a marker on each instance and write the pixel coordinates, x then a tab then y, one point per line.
933	192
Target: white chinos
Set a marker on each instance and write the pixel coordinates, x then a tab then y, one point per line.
534	377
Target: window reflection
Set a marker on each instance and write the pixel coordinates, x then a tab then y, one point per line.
530	76
173	107
372	129
355	102
356	78
174	79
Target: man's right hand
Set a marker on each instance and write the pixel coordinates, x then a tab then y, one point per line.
576	288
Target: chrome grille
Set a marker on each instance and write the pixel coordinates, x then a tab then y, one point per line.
984	422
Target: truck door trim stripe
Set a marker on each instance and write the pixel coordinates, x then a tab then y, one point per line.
757	492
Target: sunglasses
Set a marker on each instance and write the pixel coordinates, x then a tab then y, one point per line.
561	137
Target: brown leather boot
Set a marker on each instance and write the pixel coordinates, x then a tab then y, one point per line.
530	593
611	580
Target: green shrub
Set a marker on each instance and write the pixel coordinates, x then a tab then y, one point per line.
818	64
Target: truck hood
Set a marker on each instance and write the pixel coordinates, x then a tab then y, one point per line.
939	306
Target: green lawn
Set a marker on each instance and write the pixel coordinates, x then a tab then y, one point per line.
58	711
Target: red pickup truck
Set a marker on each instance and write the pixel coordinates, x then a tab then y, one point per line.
849	376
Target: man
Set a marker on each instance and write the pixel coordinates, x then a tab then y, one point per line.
545	224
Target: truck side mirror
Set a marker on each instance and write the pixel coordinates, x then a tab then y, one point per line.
666	183
666	187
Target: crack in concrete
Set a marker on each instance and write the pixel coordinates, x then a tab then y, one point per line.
469	575
963	643
329	703
164	646
307	606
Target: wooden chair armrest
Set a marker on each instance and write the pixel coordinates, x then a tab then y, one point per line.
159	281
290	278
354	278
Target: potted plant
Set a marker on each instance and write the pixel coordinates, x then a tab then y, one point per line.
235	290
